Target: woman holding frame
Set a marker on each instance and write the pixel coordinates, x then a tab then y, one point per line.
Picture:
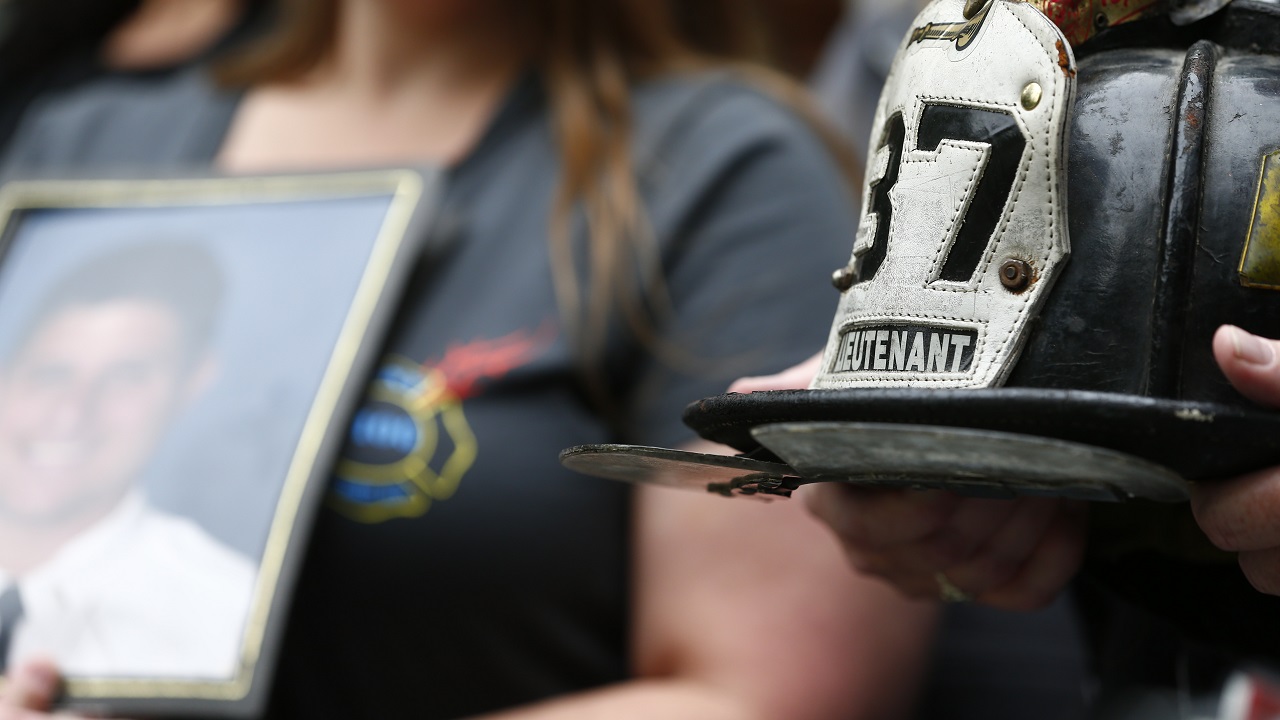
634	225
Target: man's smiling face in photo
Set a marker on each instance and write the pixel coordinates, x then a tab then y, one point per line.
83	403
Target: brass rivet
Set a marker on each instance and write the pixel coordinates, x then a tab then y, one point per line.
843	279
1031	96
971	8
1015	275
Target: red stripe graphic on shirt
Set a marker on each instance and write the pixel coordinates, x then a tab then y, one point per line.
465	366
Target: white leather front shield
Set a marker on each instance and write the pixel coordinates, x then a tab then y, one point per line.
964	204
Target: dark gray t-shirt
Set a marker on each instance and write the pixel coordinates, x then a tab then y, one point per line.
457	568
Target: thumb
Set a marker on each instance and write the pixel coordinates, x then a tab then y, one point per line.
1251	363
33	685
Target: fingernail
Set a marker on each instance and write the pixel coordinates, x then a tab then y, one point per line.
1250	348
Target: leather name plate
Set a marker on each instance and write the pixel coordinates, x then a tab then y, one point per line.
964	226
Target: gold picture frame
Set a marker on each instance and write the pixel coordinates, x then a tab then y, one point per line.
339	246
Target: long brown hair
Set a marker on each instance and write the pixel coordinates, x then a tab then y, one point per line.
589	53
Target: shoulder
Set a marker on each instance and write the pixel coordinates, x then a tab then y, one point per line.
716	114
750	214
713	143
118	121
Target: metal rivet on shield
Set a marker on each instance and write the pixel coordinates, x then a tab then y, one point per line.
1031	96
843	279
1015	275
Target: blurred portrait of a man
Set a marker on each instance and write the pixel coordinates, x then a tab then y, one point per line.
91	574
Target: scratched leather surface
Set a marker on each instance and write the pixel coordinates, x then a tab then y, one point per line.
1243	122
1149	282
1095	332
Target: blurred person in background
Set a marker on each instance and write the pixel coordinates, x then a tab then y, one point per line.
632	226
46	45
851	69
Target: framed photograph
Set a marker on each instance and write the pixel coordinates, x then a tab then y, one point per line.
178	362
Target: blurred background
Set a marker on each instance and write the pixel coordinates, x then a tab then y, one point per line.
986	664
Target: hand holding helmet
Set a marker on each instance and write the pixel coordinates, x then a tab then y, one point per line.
1019	554
1241	514
1012	554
